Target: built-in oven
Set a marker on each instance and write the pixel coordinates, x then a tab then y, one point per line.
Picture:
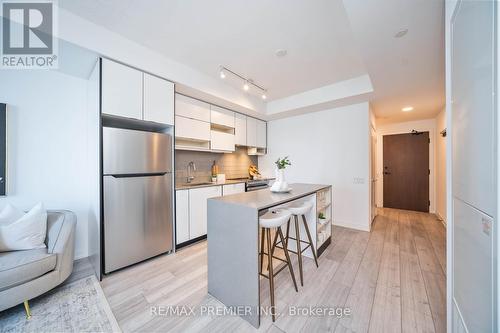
254	185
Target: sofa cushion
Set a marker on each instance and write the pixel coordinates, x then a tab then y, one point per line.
26	232
17	267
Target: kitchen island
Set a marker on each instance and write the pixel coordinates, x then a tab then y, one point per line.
233	241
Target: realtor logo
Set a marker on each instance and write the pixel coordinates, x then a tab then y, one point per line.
28	35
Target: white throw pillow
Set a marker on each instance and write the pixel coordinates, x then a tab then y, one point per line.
10	214
19	231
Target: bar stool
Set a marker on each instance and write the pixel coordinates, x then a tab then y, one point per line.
274	219
298	209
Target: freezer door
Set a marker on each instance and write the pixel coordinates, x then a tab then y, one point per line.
135	152
138	219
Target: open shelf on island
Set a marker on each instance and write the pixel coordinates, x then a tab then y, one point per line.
323	207
323	230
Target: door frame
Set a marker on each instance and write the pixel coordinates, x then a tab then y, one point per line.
428	125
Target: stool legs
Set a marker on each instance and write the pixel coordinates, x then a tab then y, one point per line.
299	250
262	239
271	274
298	242
289	262
274	242
287	232
310	240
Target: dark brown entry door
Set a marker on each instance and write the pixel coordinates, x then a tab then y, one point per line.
406	171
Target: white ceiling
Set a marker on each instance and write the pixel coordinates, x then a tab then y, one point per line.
242	35
328	41
404	71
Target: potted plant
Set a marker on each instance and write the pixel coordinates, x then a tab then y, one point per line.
321	218
280	184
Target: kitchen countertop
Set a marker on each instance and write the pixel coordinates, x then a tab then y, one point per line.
263	199
187	186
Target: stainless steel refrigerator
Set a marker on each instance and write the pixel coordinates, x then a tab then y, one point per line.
137	196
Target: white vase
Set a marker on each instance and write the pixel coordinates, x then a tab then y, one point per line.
280	175
280	184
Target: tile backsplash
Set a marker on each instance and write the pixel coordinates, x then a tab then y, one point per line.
234	165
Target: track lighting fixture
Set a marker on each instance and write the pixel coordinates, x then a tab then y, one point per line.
247	83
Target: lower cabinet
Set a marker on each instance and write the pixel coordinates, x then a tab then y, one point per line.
181	216
191	212
198	209
233	188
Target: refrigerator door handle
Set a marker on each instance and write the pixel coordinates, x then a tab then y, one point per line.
135	175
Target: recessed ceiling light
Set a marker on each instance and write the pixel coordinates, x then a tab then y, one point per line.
280	53
407	109
401	33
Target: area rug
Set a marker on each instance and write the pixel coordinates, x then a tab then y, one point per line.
79	306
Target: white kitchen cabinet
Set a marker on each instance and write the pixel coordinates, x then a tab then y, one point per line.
198	209
221	141
240	129
192	108
121	90
233	189
192	129
158	100
261	134
251	132
181	216
222	117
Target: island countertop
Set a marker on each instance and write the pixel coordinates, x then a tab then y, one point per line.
263	199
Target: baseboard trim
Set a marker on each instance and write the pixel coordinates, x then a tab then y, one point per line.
443	221
350	225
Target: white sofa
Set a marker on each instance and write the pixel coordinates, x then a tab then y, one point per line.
27	274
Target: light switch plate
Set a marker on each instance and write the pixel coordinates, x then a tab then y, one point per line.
486	224
358	180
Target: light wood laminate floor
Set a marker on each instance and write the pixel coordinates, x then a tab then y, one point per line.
392	280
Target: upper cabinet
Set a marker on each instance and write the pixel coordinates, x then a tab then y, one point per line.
261	134
158	100
121	90
192	123
192	129
192	108
130	93
221	117
240	129
204	127
221	141
251	132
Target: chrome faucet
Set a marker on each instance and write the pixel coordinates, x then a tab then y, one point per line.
191	168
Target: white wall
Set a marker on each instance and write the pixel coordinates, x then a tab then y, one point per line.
428	125
327	147
48	162
441	166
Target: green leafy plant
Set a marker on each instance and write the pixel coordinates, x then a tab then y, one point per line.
321	216
281	163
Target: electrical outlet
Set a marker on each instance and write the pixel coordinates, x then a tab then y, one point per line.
358	180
